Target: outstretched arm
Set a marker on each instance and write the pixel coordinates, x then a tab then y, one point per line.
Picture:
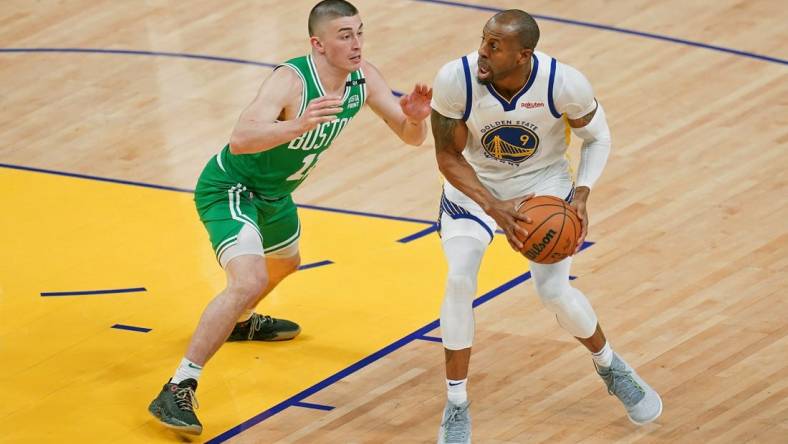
406	116
270	119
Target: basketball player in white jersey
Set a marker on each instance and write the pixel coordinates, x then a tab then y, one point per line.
500	120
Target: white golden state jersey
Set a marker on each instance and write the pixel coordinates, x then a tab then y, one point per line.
513	145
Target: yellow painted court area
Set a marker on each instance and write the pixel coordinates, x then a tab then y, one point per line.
64	364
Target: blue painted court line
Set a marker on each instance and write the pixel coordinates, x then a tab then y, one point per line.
362	213
131	328
430	338
585	245
182	55
141	53
186	190
314	265
419	234
511	284
309	405
421	333
97	178
418	334
648	35
93	292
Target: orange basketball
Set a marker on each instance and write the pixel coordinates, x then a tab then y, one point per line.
554	230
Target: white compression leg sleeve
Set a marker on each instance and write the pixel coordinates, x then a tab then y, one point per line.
464	255
571	307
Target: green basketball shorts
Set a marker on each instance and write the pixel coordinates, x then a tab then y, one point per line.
226	205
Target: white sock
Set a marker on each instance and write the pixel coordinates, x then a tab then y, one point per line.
457	390
245	316
187	370
604	357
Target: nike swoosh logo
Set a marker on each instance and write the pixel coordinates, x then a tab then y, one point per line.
194	367
455	384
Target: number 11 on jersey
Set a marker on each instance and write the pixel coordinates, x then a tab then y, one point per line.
309	162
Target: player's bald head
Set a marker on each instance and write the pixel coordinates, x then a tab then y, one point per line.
328	10
519	24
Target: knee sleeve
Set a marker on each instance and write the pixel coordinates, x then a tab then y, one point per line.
464	256
570	306
457	324
573	312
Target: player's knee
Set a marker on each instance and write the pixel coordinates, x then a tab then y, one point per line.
573	312
248	287
457	325
460	287
552	289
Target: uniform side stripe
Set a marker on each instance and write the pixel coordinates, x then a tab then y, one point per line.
233	193
241	215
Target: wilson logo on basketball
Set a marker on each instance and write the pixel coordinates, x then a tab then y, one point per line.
530	105
537	248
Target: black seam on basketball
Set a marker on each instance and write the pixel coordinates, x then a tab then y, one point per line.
531	232
544	205
577	228
563	222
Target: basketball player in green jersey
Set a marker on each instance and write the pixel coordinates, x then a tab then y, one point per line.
244	193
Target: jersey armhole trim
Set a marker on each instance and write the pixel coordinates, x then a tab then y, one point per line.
550	83
363	87
301	108
468	90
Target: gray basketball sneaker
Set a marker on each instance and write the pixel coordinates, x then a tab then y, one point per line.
642	402
456	424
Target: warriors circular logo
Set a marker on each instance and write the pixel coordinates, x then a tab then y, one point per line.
510	144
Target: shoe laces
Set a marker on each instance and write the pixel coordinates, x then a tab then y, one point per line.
186	399
258	321
455	424
621	383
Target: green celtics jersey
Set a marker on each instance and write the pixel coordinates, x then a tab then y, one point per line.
277	172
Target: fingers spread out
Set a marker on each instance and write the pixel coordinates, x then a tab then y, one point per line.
422	90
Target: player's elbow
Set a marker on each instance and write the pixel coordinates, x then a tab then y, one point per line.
415	141
445	161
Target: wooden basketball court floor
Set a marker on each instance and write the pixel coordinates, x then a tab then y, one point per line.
110	109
